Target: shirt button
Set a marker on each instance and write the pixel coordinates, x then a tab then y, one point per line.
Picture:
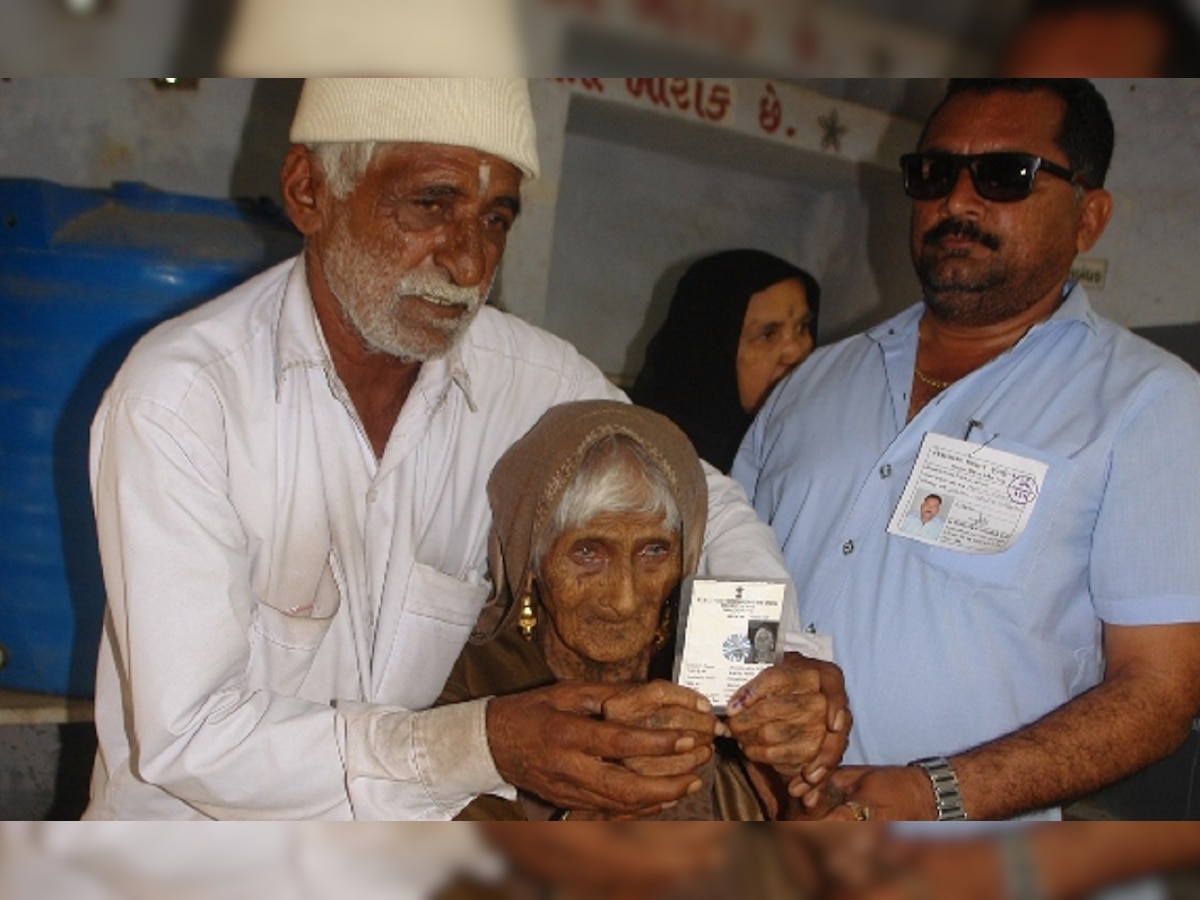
885	471
848	548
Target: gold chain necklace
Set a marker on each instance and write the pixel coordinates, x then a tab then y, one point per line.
934	383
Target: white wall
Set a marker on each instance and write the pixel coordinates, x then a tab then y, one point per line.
226	138
1151	246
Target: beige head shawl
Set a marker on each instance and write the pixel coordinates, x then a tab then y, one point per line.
528	480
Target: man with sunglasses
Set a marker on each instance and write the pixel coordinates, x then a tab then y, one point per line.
1047	643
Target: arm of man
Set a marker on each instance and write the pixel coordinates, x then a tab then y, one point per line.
1140	712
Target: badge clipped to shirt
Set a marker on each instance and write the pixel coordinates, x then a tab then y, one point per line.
729	632
967	496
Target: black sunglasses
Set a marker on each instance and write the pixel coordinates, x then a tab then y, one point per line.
1004	176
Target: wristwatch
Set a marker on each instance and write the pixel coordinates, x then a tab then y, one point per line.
946	794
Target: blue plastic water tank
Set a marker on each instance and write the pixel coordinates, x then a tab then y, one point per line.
83	274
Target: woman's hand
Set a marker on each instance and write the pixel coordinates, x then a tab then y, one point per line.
662	704
795	718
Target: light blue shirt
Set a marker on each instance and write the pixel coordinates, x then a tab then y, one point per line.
944	650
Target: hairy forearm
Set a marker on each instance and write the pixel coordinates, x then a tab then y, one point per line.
1119	726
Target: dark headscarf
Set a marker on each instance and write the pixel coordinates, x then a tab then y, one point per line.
529	479
690	373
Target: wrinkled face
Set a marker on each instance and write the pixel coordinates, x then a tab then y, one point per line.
929	508
980	261
603	586
412	252
776	337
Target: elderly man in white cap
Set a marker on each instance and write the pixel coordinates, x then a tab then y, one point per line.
289	492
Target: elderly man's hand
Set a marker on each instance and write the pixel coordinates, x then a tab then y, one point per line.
663	704
795	718
551	742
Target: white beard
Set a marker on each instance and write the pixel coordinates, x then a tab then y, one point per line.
373	302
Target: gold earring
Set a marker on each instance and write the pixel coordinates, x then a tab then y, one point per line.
662	634
527	620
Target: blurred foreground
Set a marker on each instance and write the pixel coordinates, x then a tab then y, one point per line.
774	38
270	861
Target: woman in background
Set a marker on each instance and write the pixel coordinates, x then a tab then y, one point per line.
738	322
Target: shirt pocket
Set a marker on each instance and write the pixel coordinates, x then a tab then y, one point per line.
1011	569
285	641
439	612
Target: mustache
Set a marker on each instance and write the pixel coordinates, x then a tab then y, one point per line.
962	228
439	288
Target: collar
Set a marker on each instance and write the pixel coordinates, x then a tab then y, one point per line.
1075	307
300	344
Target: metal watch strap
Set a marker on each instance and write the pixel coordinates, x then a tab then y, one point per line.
946	794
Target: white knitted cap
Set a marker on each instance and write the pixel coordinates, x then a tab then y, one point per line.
492	115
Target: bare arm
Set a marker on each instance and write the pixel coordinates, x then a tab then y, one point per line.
1139	713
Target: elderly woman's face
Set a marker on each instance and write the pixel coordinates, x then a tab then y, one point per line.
776	337
604	586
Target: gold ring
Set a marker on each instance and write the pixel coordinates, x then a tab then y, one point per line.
861	813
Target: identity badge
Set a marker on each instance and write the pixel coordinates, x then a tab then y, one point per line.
729	632
967	496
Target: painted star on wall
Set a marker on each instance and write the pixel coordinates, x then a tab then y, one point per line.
832	130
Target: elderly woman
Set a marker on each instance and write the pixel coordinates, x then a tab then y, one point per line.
739	321
598	513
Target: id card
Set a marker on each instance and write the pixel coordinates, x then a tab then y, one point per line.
729	631
967	497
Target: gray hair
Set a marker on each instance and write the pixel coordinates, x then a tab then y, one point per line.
616	475
344	163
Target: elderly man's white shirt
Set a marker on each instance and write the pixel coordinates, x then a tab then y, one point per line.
280	601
